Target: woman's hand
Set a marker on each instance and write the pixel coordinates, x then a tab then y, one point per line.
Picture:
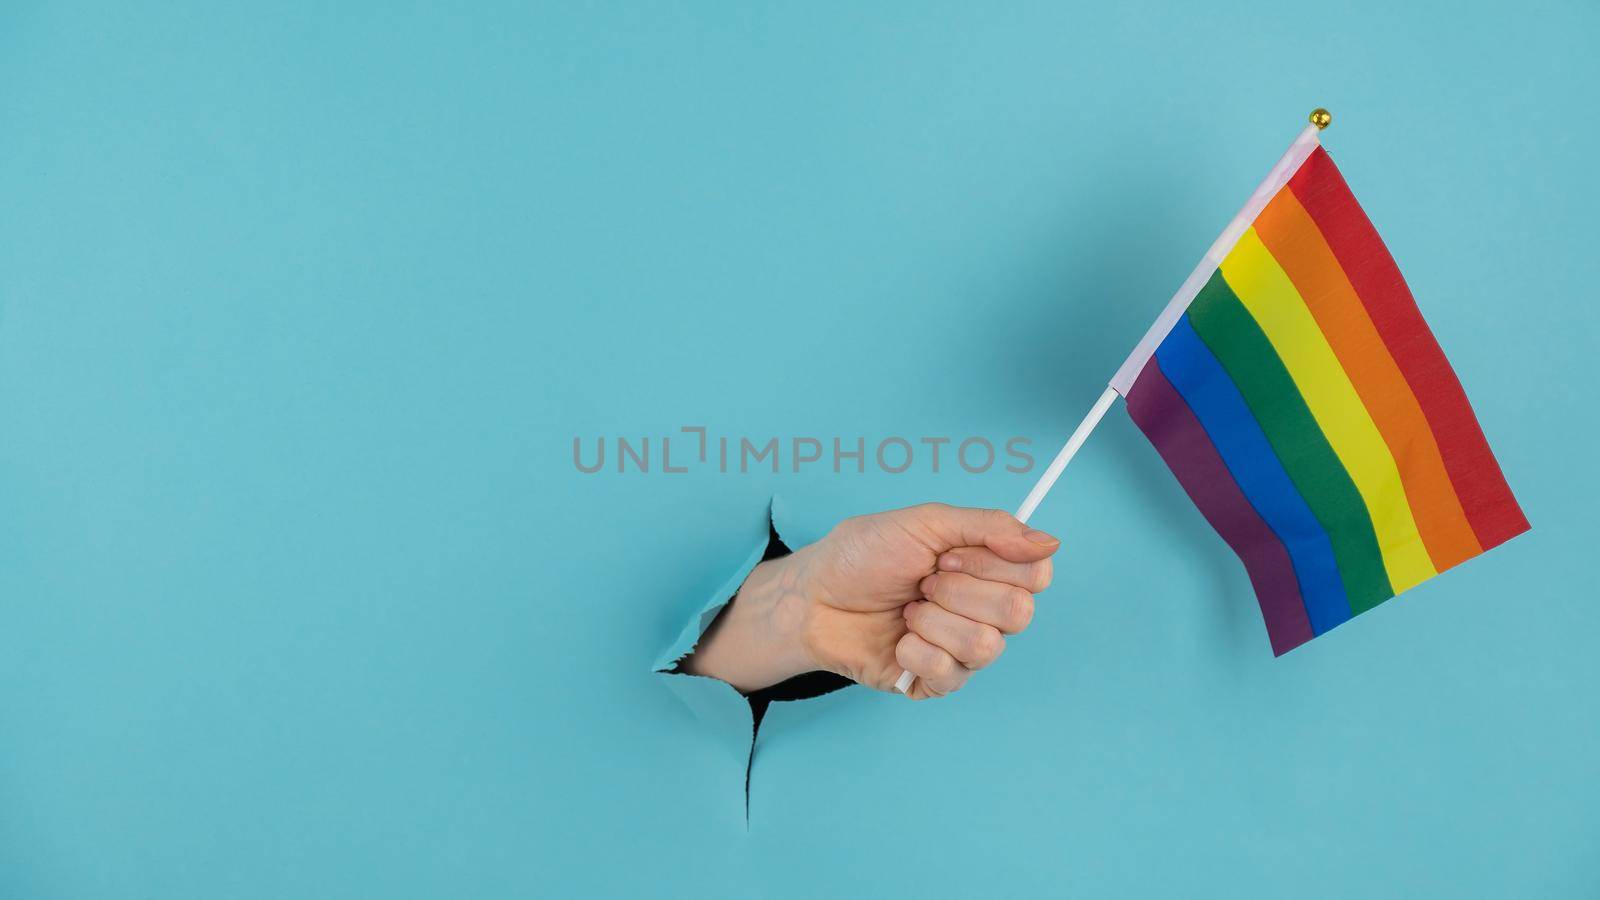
931	589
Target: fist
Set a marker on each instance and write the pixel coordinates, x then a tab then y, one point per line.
932	590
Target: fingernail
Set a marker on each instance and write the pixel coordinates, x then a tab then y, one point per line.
925	585
906	610
950	562
1039	537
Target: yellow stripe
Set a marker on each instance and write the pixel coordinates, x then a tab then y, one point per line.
1277	307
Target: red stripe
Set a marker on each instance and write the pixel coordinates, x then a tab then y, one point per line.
1485	497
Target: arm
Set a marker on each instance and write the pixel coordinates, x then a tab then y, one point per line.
930	589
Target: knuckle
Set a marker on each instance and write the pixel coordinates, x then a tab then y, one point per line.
956	681
996	643
986	644
1019	609
1042	572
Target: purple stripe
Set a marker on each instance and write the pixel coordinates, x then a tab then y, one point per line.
1171	426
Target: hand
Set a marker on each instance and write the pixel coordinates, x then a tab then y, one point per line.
931	589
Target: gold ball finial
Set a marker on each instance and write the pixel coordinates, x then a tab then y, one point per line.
1321	118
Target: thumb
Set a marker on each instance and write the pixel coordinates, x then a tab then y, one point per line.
958	526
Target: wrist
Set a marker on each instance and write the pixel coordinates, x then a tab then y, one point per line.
763	637
781	593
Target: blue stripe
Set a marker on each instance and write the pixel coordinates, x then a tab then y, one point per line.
1206	387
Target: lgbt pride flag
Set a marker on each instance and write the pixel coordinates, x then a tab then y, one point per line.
1295	391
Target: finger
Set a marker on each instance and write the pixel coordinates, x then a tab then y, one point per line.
957	526
938	673
1005	606
985	564
973	644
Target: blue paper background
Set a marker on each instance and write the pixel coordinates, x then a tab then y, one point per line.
302	305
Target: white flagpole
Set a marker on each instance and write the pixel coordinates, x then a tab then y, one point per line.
1068	450
1122	381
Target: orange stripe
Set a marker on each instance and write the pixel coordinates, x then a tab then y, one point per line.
1294	240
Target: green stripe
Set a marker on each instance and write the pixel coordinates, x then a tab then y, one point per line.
1244	351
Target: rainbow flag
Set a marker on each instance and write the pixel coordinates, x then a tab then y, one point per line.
1295	391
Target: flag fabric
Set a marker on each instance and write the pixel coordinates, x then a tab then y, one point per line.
1301	401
